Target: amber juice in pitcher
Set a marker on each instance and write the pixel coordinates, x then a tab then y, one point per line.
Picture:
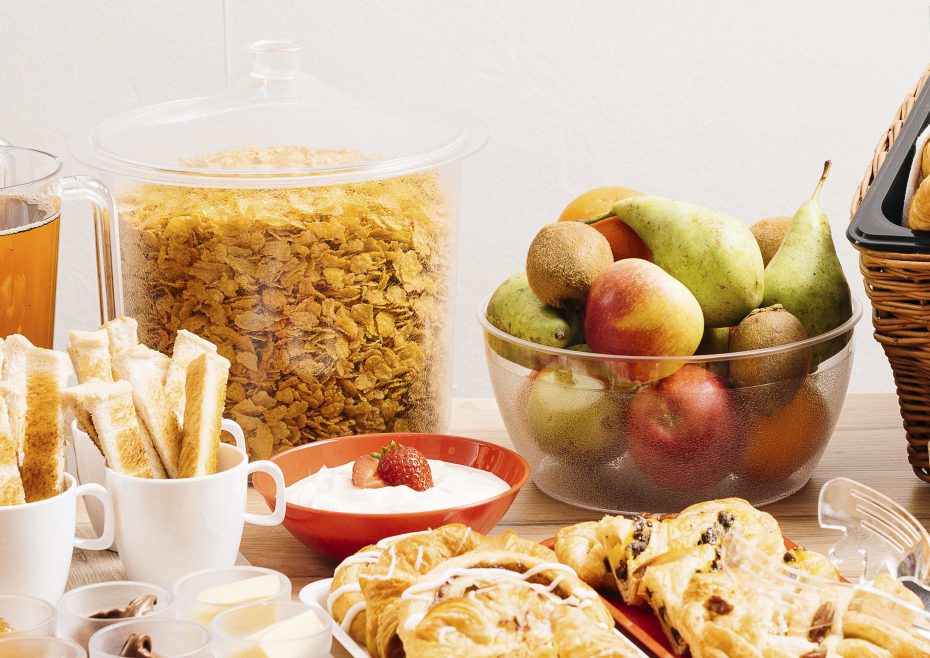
28	268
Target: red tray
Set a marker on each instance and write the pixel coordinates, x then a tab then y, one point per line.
639	623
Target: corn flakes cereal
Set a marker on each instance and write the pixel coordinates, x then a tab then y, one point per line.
329	302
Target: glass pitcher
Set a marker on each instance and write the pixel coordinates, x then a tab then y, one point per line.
307	232
31	194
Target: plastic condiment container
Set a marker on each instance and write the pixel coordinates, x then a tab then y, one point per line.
188	591
171	638
40	647
234	631
28	616
76	606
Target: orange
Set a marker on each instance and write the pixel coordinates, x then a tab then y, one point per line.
624	243
779	444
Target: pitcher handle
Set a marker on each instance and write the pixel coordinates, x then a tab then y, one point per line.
280	499
106	237
105	540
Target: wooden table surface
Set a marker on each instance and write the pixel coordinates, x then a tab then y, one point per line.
868	445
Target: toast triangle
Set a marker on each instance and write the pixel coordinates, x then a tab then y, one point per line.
13	373
90	355
43	467
136	366
187	347
207	376
113	415
11	484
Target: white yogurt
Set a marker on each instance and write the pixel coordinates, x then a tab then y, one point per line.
454	485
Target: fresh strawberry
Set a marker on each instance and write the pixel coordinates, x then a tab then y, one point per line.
403	465
365	473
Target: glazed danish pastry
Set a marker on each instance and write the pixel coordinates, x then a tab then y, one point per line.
384	570
366	586
505	603
383	584
631	545
580	547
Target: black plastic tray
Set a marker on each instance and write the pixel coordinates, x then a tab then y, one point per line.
877	225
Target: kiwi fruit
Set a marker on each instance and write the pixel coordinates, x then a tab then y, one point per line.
563	261
769	233
779	375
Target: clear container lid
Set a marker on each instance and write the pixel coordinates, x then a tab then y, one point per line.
244	136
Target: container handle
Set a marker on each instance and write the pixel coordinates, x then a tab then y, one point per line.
7	166
276	516
106	238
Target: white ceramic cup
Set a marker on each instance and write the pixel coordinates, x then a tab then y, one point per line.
90	466
168	528
37	541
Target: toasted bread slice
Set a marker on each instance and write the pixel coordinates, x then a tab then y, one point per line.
206	397
151	453
187	347
123	333
15	348
90	355
11	484
113	415
73	400
162	362
137	366
43	468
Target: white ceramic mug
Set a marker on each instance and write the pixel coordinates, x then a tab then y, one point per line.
168	528
37	540
90	466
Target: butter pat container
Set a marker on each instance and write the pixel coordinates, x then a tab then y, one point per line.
202	595
272	630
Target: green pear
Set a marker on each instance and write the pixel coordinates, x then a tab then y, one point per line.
805	275
716	340
516	310
569	412
713	254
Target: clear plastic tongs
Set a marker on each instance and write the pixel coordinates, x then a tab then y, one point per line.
878	536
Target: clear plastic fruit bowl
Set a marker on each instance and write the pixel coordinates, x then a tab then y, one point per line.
624	434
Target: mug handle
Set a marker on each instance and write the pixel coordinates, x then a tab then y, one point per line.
280	499
105	540
233	428
106	234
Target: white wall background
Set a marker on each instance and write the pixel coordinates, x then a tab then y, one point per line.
733	105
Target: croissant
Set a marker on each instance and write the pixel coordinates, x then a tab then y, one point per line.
918	212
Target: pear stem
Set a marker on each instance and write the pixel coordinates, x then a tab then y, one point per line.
597	218
823	178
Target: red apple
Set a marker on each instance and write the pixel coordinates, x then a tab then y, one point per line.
681	430
635	308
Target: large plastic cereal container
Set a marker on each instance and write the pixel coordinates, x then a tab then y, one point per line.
307	232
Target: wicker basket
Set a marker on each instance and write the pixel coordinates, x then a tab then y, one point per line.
898	286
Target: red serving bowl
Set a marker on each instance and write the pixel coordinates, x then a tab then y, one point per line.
339	534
